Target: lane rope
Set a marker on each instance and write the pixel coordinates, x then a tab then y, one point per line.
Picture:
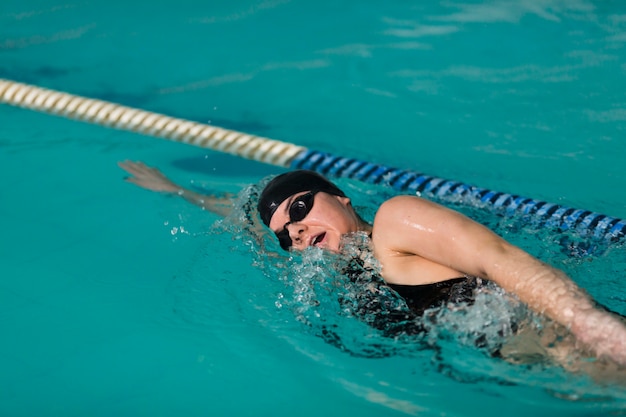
148	123
541	214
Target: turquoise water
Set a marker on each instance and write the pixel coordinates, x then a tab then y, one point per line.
116	301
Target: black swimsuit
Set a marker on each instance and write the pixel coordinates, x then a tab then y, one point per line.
396	310
420	298
381	304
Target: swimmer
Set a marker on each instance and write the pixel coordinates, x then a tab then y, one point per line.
422	248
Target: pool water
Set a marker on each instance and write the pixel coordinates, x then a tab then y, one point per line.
118	301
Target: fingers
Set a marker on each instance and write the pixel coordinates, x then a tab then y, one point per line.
147	177
140	170
135	168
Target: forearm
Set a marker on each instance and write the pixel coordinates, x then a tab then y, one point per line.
222	205
545	289
551	292
152	179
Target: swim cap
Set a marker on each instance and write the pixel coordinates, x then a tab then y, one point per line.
285	185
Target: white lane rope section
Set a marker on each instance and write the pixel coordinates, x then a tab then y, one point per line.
120	117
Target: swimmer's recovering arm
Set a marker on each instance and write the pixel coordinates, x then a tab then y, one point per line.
412	225
154	180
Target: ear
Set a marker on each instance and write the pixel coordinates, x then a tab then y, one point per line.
343	200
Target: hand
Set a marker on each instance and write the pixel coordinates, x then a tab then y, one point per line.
148	177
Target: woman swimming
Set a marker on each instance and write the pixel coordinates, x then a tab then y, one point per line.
421	247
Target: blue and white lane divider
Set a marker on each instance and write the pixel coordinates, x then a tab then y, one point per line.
542	214
584	223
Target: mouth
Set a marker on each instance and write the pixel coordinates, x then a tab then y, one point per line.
318	239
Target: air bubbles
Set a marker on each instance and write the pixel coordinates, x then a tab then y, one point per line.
176	230
279	298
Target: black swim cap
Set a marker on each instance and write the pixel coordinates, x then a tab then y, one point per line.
285	185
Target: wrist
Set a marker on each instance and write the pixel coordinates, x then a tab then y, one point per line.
600	332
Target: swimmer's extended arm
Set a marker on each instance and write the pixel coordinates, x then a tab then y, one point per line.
154	180
411	225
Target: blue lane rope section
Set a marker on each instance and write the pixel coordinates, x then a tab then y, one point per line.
542	214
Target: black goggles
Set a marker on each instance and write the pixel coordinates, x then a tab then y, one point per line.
298	210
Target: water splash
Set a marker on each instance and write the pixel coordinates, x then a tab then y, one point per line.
488	322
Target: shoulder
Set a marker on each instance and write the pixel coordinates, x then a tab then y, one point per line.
397	215
404	207
395	204
404	222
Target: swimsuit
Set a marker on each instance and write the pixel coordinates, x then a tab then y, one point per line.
399	309
420	298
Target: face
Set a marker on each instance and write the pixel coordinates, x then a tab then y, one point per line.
329	218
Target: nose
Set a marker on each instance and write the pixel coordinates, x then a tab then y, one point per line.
296	232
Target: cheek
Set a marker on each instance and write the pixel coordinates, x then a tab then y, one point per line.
334	243
278	221
336	222
273	226
343	218
343	224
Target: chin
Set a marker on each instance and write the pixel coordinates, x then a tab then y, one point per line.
333	247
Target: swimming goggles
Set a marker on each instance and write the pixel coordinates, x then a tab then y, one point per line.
298	210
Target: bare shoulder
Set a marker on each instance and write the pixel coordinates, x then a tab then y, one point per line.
398	203
411	242
396	215
404	207
407	222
